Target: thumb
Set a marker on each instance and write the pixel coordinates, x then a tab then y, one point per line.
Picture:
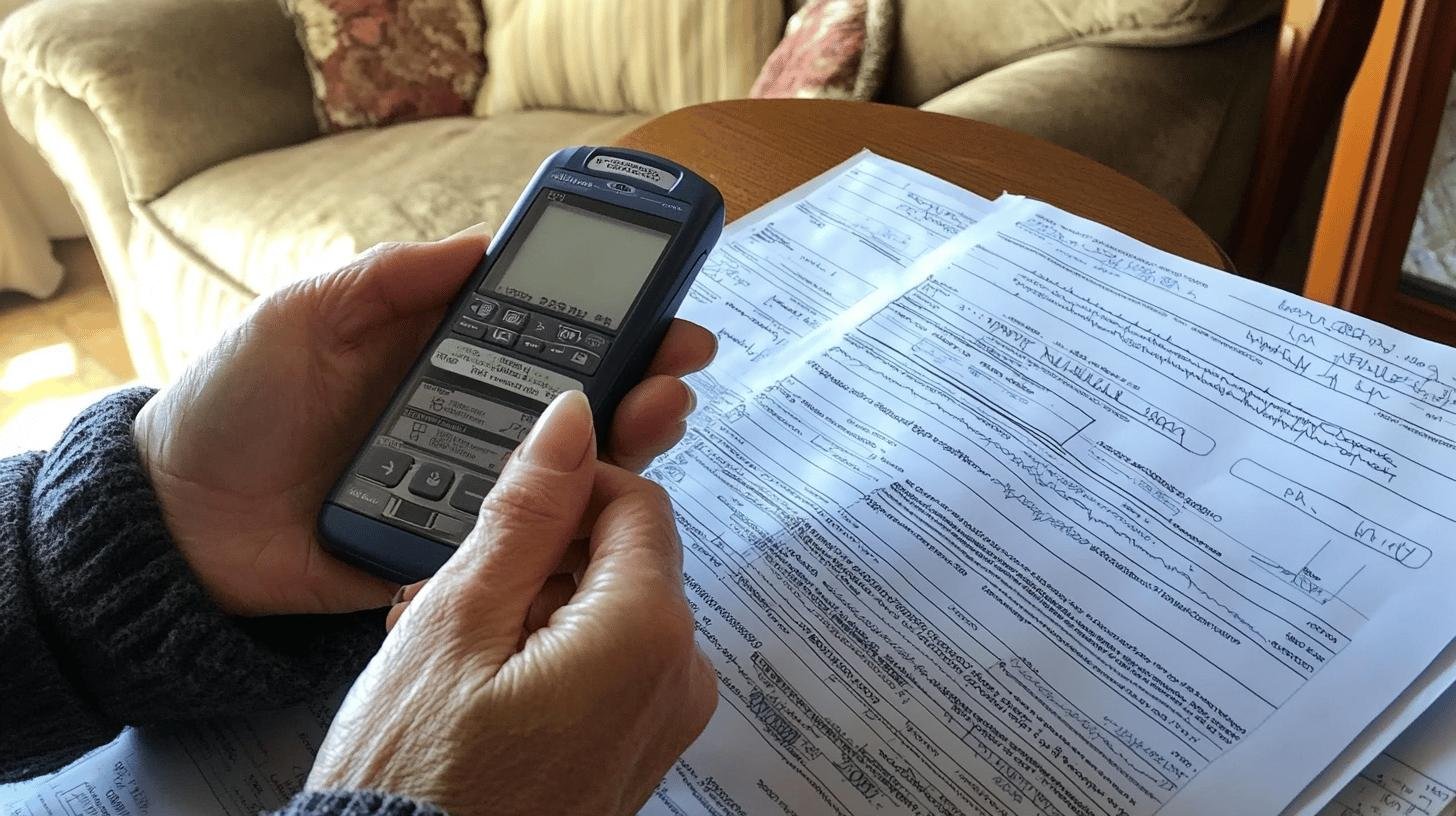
386	283
525	525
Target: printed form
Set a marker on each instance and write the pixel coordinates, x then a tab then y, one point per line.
1061	525
1414	776
992	510
226	767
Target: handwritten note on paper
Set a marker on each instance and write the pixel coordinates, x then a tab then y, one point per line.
1069	526
1414	776
1390	787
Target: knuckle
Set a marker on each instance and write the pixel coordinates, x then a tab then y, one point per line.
651	500
644	508
634	463
434	610
656	636
517	503
676	631
449	622
381	249
704	695
657	496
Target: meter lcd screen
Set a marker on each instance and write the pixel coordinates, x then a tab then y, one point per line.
580	263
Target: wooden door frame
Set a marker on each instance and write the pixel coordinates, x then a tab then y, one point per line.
1380	170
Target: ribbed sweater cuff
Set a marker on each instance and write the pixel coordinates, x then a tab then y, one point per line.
127	616
355	803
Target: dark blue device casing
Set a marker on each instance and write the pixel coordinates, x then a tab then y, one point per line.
643	183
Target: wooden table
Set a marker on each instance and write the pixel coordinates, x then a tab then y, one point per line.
756	149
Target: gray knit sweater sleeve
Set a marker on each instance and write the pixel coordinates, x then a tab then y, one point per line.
102	624
356	803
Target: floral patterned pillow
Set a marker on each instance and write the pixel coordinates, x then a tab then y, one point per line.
373	62
832	49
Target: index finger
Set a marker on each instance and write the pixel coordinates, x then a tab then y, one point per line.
687	347
629	512
628	625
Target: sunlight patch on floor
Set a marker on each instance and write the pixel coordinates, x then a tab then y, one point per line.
59	355
31	368
39	423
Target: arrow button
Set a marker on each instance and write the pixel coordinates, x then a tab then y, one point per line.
384	465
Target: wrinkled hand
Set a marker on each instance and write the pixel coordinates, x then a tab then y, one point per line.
471	706
243	448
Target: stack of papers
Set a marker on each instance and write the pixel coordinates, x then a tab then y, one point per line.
990	509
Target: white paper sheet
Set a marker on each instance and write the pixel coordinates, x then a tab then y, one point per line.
1074	526
994	511
231	767
815	261
1364	751
894	212
1414	776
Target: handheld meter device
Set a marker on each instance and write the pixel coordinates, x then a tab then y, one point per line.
575	292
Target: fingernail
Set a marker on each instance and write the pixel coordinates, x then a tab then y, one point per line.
406	592
474	229
563	437
692	400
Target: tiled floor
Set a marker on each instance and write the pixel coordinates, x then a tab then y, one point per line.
58	355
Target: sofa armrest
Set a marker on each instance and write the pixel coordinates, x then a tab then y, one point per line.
177	86
1183	121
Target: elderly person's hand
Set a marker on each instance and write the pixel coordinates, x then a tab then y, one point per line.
494	695
245	445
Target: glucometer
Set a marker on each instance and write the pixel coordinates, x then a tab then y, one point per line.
575	292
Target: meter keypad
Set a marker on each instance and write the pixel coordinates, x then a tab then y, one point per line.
412	513
482	309
500	336
571	357
593	342
384	465
431	481
450	527
469	328
470	494
547	338
542	328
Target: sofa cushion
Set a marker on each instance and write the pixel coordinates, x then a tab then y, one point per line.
832	49
940	45
1181	121
373	64
262	221
648	56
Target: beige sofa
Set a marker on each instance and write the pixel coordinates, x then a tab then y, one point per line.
34	209
184	131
